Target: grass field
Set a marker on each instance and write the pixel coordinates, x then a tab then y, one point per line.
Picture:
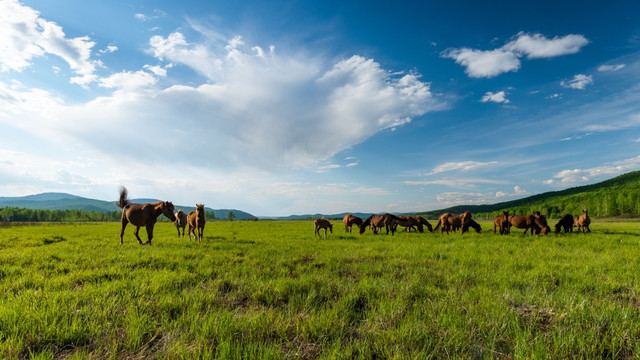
269	290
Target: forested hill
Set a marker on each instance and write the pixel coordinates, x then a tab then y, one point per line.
613	197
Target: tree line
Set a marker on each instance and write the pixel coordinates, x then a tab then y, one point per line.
15	214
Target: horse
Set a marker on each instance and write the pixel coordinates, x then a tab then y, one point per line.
452	222
502	222
526	222
408	223
566	223
322	223
142	215
196	219
349	220
475	226
583	222
181	221
422	221
378	221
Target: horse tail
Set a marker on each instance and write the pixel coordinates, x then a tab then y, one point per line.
123	198
437	225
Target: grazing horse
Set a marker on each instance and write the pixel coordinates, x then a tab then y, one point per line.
378	222
526	222
322	223
142	215
422	221
566	223
196	220
452	222
475	226
349	220
584	221
408	223
181	221
502	222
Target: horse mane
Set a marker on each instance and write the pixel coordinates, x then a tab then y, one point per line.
123	198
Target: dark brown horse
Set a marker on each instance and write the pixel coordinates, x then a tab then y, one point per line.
142	215
452	222
322	223
181	221
566	223
378	222
584	221
502	222
537	224
409	223
196	220
422	221
350	220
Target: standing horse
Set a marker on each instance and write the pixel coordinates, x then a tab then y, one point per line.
142	215
181	221
566	223
196	220
322	223
378	222
526	222
408	223
584	221
422	221
349	220
502	222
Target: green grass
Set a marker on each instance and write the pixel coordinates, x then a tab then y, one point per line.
269	290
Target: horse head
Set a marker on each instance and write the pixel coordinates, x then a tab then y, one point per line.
200	212
168	209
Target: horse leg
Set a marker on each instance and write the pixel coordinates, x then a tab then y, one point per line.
149	234
124	225
200	234
135	232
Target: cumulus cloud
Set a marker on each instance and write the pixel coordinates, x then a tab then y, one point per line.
578	82
254	109
26	35
490	63
517	191
572	176
499	97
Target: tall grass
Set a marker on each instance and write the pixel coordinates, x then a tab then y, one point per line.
269	290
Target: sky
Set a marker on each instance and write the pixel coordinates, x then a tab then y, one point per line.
302	107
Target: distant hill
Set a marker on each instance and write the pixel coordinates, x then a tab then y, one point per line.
614	197
63	201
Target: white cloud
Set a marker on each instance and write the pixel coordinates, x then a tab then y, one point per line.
490	63
499	97
459	198
462	165
517	191
267	111
578	82
26	35
572	176
615	67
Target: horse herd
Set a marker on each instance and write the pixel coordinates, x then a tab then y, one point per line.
448	222
147	215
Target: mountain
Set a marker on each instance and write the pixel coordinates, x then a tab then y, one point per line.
63	201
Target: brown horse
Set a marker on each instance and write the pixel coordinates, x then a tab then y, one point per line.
322	223
181	221
502	222
378	222
349	220
409	223
526	222
566	223
584	221
142	215
422	221
196	220
452	222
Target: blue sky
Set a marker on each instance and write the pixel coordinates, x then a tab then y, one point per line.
294	107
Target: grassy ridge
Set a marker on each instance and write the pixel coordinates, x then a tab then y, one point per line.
270	290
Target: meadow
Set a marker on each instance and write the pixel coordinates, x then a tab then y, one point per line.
270	290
